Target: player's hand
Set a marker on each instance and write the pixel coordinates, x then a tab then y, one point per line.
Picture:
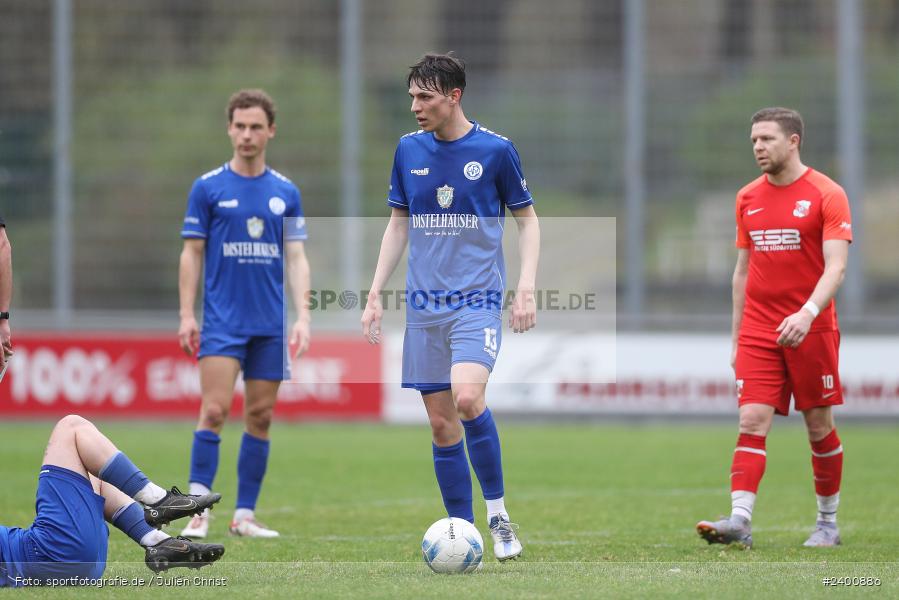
523	314
189	335
794	328
5	342
733	357
300	336
371	319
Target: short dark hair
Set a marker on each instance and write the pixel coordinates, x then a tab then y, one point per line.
790	120
250	98
438	73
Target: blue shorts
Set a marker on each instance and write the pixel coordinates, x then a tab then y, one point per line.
430	352
261	357
69	535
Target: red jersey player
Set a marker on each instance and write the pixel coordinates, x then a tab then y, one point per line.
793	235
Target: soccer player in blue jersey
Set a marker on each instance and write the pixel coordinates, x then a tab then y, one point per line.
242	219
84	480
452	182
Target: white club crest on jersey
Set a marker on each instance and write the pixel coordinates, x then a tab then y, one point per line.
277	205
445	196
255	225
801	209
473	170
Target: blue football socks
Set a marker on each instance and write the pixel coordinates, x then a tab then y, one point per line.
251	464
454	479
123	474
484	451
204	457
130	519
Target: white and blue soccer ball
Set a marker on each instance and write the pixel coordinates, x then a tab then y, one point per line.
452	545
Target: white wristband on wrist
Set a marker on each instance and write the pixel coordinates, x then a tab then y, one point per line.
812	308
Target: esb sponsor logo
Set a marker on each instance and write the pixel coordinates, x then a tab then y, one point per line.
81	377
768	240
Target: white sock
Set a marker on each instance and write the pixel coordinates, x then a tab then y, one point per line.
742	503
150	494
496	507
827	507
153	537
197	489
243	513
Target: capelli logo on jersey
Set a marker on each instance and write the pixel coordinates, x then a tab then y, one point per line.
775	240
423	171
232	203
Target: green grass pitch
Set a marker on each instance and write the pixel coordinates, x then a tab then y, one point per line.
604	510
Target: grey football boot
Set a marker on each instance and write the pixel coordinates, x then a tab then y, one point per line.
825	535
733	530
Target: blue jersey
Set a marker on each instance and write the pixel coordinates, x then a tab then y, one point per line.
243	221
456	194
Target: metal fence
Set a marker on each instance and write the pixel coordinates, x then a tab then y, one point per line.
612	104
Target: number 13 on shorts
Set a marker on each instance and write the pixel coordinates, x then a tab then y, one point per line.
490	338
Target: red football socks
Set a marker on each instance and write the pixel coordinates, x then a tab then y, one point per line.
827	464
749	463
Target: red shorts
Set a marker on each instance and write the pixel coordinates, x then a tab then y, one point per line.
769	374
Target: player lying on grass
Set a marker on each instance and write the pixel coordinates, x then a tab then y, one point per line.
84	479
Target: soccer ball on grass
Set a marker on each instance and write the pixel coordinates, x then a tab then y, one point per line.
452	545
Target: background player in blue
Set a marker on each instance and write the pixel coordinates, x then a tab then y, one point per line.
451	184
85	479
237	216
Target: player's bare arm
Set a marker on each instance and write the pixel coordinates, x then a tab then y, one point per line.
5	295
523	313
299	278
795	327
190	266
739	299
393	244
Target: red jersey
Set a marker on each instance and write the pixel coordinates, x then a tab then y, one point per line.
784	228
